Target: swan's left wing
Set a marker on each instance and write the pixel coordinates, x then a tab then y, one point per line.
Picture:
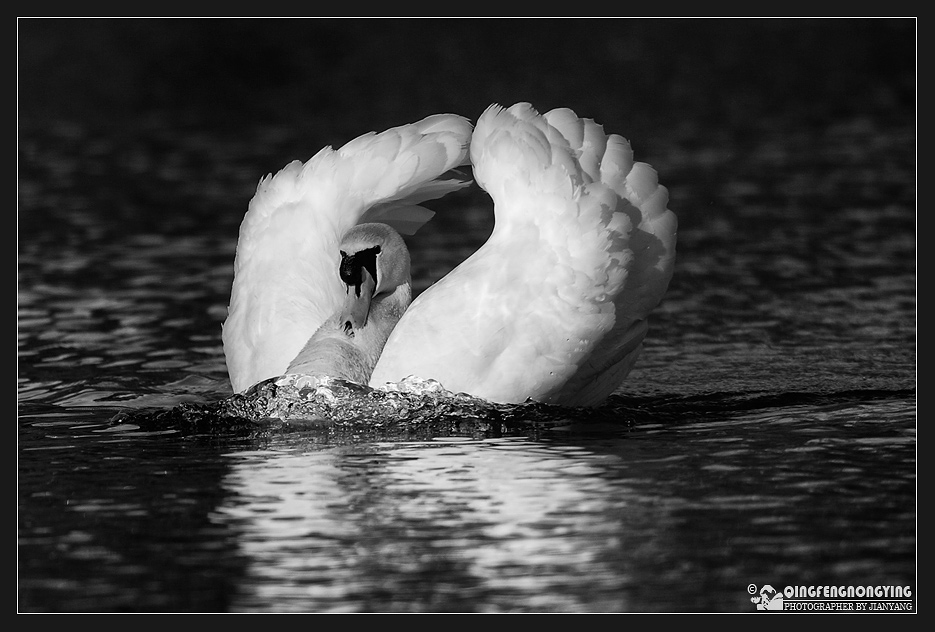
285	271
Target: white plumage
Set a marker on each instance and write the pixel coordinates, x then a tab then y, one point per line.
552	307
286	281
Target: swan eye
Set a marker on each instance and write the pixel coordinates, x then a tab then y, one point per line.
353	265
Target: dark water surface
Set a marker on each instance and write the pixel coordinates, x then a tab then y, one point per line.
766	436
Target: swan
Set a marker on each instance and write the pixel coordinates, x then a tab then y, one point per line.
290	276
552	308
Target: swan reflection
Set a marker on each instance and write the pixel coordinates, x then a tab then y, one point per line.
510	523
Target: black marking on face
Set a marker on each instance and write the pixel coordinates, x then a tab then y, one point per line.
348	329
352	267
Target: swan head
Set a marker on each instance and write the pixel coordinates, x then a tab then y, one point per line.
374	269
374	263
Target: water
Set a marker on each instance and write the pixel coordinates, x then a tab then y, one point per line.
766	436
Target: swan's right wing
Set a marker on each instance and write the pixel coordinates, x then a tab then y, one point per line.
637	235
553	306
649	245
285	271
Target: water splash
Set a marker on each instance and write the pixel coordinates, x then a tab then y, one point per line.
411	408
305	398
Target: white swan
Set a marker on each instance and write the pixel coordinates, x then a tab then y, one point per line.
287	278
552	307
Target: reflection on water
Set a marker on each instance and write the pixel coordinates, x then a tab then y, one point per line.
677	507
497	525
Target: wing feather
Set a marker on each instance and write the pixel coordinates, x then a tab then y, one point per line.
554	306
285	269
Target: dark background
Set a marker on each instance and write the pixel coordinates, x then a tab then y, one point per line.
337	78
788	147
165	122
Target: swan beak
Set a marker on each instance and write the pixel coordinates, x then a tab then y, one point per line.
356	307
